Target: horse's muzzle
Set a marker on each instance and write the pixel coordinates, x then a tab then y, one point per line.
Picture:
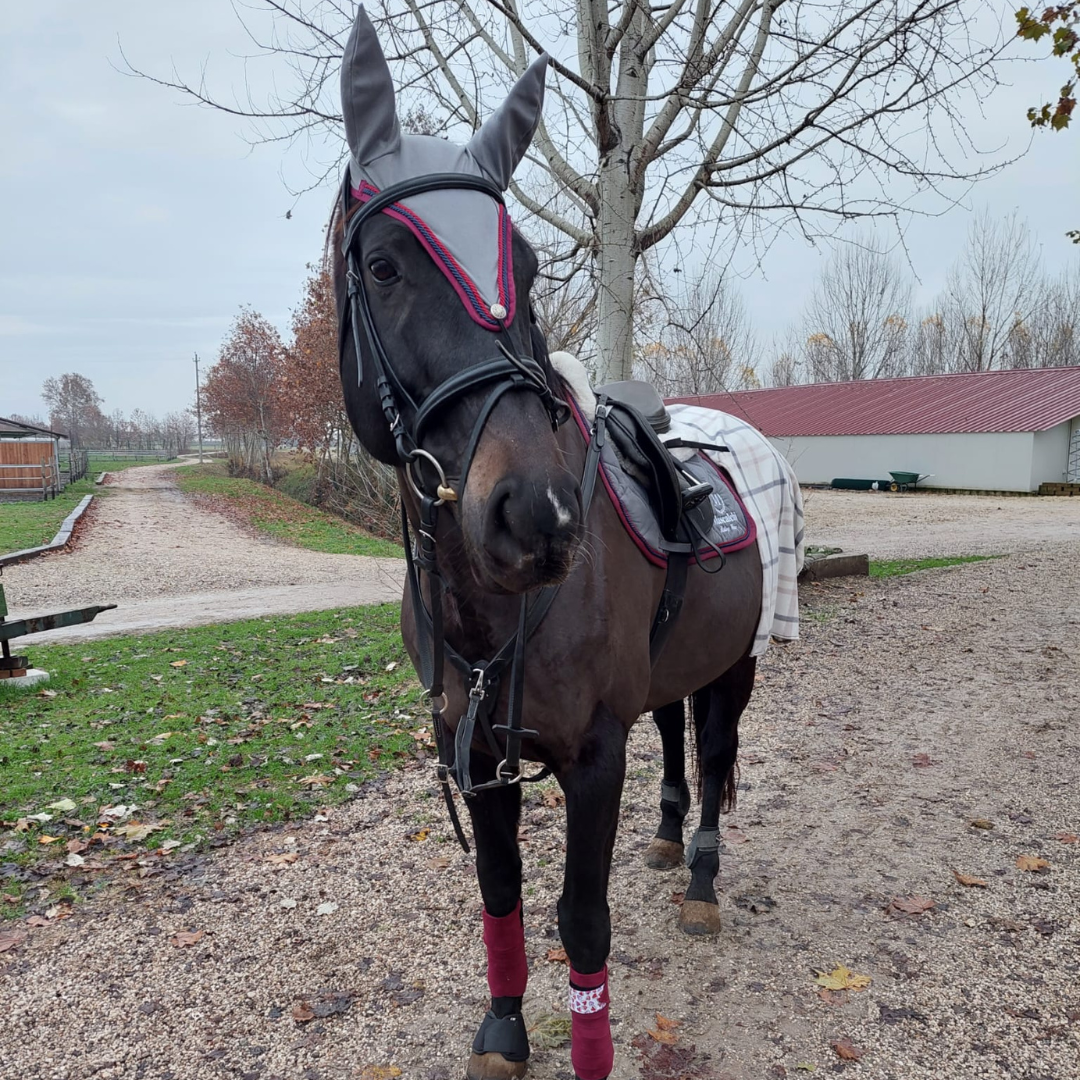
531	531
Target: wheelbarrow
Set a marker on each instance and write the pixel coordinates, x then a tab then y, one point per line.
904	481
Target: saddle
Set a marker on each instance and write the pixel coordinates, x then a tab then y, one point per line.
679	499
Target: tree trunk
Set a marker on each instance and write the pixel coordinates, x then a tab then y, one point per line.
616	262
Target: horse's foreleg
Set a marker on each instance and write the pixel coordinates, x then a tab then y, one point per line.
501	1047
593	788
717	709
666	850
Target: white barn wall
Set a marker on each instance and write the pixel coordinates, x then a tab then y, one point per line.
1050	455
996	461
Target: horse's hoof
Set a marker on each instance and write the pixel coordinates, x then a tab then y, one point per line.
493	1066
663	855
698	917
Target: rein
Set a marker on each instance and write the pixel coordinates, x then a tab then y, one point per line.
407	420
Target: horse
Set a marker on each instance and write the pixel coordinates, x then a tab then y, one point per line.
526	598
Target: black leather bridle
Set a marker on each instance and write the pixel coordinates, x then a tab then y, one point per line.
407	419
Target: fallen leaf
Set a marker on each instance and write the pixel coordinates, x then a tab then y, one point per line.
1032	863
47	839
1067	837
734	835
834	997
327	908
10	938
968	880
135	766
668	1038
921	761
302	1013
284	859
177	663
553	798
67	805
134	831
75	846
419	836
37	921
168	846
74	860
678	898
316	780
558	956
900	906
440	862
846	1050
664	1024
842	978
982	823
186	938
379	1072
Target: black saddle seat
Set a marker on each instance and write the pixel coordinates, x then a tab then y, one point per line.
642	396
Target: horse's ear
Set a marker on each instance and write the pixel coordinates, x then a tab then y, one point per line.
501	142
367	94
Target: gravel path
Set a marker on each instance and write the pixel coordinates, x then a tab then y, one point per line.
887	526
145	544
912	708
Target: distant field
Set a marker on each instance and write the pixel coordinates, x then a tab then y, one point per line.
269	511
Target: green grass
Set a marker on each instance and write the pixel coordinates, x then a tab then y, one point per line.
106	464
893	567
277	515
200	733
31	524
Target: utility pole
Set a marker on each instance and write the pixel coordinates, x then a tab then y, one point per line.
198	406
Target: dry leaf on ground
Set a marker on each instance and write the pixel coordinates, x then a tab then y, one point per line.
558	956
982	823
419	836
834	997
901	906
379	1072
1067	837
185	938
10	938
846	1050
842	978
968	880
302	1013
284	859
1032	863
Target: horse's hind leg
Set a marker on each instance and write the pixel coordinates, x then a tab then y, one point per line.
666	850
501	1048
717	709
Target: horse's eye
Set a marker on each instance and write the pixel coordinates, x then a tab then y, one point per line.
381	270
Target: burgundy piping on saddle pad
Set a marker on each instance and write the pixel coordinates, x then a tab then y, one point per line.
507	968
660	558
463	285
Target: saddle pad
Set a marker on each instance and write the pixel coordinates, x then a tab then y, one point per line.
733	527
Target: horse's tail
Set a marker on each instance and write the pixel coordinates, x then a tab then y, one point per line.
714	711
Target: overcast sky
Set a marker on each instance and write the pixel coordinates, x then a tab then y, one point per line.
134	227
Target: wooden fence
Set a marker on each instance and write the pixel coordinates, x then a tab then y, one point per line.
30	466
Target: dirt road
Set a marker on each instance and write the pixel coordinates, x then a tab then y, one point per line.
924	725
167	562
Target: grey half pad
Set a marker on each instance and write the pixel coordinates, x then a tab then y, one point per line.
466	223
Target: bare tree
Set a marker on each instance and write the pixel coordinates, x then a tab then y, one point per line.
74	406
856	323
706	344
793	110
994	290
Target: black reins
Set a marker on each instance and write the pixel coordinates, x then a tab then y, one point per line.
407	420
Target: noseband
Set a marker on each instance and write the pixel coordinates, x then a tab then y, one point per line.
406	417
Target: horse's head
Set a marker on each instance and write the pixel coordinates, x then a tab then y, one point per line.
444	371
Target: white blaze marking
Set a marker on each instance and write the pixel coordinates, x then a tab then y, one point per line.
562	515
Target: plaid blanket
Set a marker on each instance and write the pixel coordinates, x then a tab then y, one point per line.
763	479
768	487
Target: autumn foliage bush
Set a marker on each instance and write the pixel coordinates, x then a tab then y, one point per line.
264	394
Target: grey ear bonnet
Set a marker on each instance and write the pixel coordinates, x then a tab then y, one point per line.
466	232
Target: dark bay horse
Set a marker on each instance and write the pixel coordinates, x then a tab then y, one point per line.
446	377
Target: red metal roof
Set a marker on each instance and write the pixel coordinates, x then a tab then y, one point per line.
1029	399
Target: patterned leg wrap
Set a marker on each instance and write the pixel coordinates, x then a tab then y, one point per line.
507	970
591	1051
